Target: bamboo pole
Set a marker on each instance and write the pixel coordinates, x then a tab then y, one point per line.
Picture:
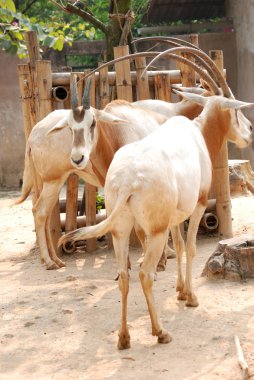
63	79
43	104
71	202
90	190
34	55
162	87
104	87
43	89
26	90
73	179
221	174
142	82
188	74
123	74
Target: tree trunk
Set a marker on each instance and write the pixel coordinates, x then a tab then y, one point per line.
119	26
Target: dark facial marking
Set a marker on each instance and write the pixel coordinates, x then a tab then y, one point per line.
78	138
79	114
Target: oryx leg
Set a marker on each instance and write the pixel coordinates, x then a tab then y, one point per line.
42	211
179	247
121	236
154	248
191	252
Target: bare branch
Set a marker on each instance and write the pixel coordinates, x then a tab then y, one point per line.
87	17
59	6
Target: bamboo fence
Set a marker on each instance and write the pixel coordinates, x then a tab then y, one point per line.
42	91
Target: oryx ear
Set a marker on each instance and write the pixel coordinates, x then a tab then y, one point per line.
63	123
107	117
193	90
235	104
192	97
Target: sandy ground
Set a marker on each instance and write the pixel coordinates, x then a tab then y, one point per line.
63	324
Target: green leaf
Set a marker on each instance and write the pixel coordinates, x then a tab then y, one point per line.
49	41
59	44
8	4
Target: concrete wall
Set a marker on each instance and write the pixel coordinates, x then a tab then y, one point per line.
242	13
12	140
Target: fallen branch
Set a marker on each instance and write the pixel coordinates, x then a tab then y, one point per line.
241	360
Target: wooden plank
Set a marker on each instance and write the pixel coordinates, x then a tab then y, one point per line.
221	174
123	74
142	82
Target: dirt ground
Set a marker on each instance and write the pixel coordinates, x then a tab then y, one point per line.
63	324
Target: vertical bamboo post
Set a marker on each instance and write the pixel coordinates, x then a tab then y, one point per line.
43	89
221	174
34	55
71	202
104	87
188	74
90	190
162	87
26	90
123	74
73	179
43	108
142	82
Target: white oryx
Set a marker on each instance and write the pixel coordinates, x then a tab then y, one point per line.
49	147
157	183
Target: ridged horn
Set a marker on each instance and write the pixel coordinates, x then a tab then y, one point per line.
74	93
86	94
167	40
206	62
176	57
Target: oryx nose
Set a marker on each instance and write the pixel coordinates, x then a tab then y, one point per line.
77	162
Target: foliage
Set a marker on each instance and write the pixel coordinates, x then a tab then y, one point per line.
100	203
53	25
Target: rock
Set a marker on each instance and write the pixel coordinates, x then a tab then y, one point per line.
233	259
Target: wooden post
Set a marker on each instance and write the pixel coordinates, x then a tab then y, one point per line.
162	87
43	89
73	179
188	74
142	83
104	87
123	74
90	191
26	90
221	174
71	202
43	108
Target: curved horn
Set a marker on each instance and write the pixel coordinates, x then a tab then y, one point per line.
74	93
202	57
86	94
201	72
167	40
